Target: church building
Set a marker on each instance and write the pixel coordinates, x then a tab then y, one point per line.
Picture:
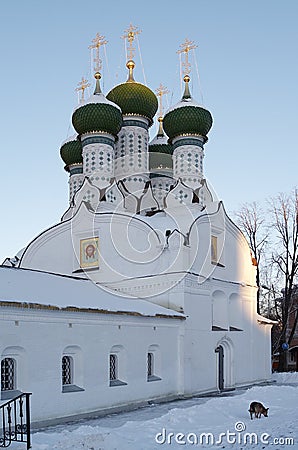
146	289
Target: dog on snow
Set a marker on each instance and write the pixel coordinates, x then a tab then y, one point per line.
257	409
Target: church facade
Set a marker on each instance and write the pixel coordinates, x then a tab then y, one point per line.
146	289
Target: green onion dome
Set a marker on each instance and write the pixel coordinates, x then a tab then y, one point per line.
134	99
71	151
98	114
160	143
187	118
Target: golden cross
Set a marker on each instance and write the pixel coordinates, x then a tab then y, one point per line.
98	41
130	34
185	48
83	84
160	91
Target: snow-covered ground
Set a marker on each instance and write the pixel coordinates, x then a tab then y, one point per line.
185	424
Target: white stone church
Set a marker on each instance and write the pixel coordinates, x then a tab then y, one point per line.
146	289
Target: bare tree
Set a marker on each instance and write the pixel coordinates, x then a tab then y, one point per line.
251	220
284	213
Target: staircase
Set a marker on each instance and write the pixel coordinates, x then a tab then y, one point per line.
15	421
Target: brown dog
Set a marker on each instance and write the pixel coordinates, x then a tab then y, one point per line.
258	409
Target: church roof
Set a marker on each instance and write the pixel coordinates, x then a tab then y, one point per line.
30	289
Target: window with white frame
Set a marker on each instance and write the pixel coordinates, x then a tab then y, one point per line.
8	374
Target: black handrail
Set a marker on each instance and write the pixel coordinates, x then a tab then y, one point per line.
15	421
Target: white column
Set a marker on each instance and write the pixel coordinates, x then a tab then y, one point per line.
132	163
188	158
76	179
98	158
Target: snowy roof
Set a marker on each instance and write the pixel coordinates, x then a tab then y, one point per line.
97	98
71	138
40	289
185	102
265	321
159	140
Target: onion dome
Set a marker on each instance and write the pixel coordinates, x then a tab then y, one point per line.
187	117
98	114
71	151
134	99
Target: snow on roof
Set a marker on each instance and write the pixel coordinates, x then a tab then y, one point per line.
265	321
24	286
185	102
71	138
97	98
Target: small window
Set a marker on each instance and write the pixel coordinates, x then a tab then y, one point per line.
214	255
153	363
7	374
113	367
150	365
67	370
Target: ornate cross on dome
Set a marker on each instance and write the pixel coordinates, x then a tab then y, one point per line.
185	48
160	91
98	41
82	85
130	34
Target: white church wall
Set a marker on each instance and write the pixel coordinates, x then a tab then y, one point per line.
42	338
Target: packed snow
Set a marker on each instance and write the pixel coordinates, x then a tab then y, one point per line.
186	424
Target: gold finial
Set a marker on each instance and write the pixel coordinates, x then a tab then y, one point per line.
130	34
160	91
185	48
82	85
98	41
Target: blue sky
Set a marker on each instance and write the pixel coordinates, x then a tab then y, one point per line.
247	58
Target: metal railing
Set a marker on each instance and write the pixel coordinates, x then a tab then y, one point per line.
15	421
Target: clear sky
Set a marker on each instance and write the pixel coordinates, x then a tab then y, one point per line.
247	58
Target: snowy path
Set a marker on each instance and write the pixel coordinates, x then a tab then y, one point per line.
150	428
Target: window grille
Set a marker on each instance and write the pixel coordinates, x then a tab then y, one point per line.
113	367
150	364
66	370
7	374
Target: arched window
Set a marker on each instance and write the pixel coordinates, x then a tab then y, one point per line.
117	363
113	367
67	370
150	364
7	374
153	363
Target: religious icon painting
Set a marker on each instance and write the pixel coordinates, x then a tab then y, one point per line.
89	252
